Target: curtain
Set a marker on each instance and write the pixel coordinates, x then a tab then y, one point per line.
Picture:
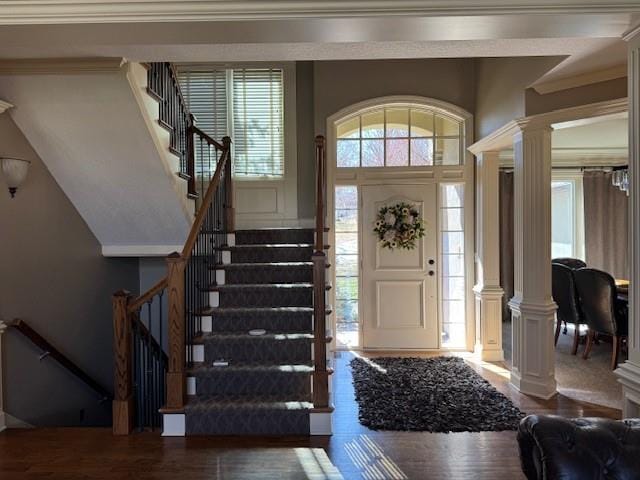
605	224
506	241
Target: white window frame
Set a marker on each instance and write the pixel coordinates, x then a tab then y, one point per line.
575	177
266	201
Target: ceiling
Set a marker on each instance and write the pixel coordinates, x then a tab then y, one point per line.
587	32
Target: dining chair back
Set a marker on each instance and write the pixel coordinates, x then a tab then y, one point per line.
573	263
566	297
597	294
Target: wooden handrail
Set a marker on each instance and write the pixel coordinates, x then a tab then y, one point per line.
319	258
208	198
148	295
206	137
50	351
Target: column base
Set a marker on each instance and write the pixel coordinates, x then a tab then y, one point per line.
629	376
533	362
3	421
489	323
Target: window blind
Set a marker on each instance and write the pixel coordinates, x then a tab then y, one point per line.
258	136
206	95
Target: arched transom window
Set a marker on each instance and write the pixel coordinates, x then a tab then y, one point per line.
399	136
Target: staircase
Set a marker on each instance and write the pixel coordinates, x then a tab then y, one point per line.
217	376
265	283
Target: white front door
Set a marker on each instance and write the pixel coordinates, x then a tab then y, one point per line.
399	287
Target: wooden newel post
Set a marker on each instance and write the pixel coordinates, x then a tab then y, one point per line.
122	405
230	211
176	382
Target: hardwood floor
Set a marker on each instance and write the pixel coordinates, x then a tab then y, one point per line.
357	452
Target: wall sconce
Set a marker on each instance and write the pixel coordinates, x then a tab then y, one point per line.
14	171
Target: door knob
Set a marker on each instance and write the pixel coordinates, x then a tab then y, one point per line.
431	273
431	261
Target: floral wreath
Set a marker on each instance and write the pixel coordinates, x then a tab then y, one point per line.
399	226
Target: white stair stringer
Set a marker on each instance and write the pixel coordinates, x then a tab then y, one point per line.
150	107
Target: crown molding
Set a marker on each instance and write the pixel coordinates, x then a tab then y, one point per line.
619	71
502	138
15	12
578	157
53	66
4	106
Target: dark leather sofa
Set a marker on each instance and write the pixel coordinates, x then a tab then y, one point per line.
556	448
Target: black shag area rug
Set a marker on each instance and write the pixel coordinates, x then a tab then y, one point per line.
440	394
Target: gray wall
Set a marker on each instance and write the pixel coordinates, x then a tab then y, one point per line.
152	269
572	97
500	89
338	84
325	87
306	134
53	276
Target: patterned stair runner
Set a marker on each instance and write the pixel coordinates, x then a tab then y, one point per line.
266	387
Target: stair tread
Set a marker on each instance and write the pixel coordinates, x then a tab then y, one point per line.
265	245
259	286
203	337
277	229
253	310
252	367
262	264
241	402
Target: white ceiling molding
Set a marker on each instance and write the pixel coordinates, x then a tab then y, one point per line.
619	71
578	157
502	138
92	11
4	106
62	66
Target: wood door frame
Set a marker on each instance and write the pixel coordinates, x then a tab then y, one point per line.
463	174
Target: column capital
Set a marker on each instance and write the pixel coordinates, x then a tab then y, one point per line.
532	126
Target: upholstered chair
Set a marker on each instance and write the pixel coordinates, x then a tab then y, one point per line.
603	312
573	263
566	297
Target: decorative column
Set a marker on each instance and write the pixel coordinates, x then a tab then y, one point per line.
629	372
532	307
488	291
3	417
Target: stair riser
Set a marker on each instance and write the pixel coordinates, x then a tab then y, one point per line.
267	255
284	274
259	350
247	422
274	236
284	322
267	297
221	382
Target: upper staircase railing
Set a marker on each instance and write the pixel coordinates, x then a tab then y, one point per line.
321	374
162	83
146	378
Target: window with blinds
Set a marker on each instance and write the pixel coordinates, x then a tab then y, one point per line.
247	104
